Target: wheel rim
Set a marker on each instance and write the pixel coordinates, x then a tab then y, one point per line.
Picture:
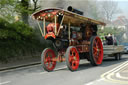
73	58
97	50
49	56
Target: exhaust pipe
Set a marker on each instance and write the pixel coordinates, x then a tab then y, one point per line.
70	8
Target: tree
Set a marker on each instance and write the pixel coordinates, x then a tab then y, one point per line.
22	8
24	4
35	5
93	9
26	9
7	10
109	8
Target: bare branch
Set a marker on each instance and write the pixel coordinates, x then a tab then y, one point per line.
35	5
109	9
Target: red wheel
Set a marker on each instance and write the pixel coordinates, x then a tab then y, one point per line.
47	58
72	58
96	51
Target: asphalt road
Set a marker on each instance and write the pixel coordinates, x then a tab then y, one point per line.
85	75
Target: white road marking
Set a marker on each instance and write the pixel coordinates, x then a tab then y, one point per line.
119	76
5	82
61	68
54	70
90	83
120	67
125	71
43	72
101	79
115	80
111	72
115	69
108	75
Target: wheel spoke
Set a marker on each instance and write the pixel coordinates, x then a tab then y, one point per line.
72	63
70	58
46	60
72	53
95	53
53	63
76	62
96	45
95	48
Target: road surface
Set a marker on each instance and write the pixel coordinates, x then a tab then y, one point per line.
109	73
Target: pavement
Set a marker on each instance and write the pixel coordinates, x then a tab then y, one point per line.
19	63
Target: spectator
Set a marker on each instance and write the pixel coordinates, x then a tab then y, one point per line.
109	39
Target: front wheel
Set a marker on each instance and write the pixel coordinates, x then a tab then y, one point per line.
47	59
96	51
72	58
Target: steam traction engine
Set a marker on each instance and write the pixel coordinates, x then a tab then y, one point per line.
74	37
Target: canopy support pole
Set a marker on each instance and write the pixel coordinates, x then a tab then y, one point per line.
44	25
40	28
55	26
60	25
69	31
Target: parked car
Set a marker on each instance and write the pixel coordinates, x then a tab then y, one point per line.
126	49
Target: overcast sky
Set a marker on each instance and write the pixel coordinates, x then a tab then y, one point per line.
124	7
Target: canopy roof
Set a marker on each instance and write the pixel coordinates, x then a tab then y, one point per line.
71	17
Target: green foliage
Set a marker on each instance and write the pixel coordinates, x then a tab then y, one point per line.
11	8
23	6
112	30
14	30
7	8
3	3
17	39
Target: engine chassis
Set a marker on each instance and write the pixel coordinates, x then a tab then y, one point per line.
71	48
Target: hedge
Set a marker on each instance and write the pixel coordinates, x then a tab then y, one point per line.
17	39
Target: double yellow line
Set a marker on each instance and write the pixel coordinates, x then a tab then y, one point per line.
108	75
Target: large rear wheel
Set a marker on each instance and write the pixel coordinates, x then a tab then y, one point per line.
72	58
96	51
47	59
